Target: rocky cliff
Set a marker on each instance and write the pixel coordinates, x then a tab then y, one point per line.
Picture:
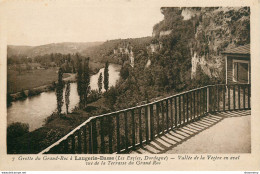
206	32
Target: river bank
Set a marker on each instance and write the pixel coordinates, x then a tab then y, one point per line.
38	90
54	128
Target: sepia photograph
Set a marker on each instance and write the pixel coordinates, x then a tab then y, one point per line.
126	79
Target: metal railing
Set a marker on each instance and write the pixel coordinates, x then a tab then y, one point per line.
124	130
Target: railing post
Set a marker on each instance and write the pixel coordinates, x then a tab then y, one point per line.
234	97
175	112
167	116
152	122
158	117
118	134
194	105
224	98
208	97
126	132
249	96
133	128
183	107
149	122
140	126
217	97
66	147
110	132
90	138
146	125
239	97
162	105
72	144
179	110
171	108
85	139
94	136
187	107
79	142
228	88
244	97
102	135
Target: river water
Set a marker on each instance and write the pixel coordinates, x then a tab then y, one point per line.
34	110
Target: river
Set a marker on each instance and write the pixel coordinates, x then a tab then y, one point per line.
34	110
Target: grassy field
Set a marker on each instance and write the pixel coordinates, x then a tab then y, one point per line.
27	80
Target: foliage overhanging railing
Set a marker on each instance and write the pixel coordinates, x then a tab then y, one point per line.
124	130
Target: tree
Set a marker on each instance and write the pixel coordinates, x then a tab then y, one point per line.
67	97
79	80
106	77
59	92
100	79
85	81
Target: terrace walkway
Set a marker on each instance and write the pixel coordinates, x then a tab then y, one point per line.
224	132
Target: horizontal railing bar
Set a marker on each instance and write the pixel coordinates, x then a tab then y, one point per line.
129	109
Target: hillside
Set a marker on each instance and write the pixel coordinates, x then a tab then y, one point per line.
63	48
183	53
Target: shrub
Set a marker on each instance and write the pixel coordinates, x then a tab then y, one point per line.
93	96
17	129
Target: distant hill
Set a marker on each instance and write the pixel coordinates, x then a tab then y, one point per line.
63	48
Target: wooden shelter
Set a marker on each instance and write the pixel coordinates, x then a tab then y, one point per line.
238	69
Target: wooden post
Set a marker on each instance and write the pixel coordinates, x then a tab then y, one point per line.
163	125
198	104
249	96
94	136
167	116
72	144
228	88
146	125
66	146
140	126
217	98
175	112
126	132
85	139
244	97
133	128
187	107
224	98
239	97
208	99
151	122
158	117
212	101
179	110
90	138
102	135
110	132
234	97
118	134
194	105
183	107
191	109
171	108
203	101
79	142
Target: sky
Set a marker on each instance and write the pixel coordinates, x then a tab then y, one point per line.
41	22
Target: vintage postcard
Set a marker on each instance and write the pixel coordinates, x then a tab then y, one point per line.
129	85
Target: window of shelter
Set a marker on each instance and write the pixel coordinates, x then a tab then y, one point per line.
240	71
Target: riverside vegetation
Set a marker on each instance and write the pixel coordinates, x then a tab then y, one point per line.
162	66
